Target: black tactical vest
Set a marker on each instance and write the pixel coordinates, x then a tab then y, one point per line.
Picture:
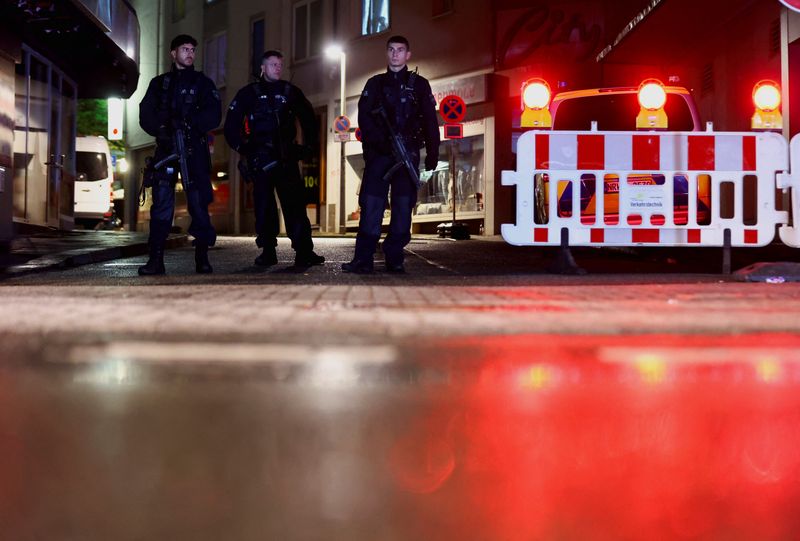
270	113
179	93
400	101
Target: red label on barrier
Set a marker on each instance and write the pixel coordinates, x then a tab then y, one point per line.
591	152
645	235
701	152
693	236
542	151
646	153
749	153
540	235
597	235
751	236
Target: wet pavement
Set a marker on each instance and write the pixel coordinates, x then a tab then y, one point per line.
510	438
39	249
462	401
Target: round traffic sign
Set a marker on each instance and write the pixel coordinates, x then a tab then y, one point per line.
792	4
358	134
341	124
452	108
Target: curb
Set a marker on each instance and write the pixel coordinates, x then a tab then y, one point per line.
85	256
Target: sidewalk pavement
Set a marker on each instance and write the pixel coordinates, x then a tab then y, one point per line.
38	249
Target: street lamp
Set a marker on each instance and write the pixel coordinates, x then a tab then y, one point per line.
333	52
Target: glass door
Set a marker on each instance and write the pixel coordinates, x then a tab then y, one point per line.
55	161
44	142
38	141
67	132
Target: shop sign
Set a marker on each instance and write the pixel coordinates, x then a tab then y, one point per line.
470	89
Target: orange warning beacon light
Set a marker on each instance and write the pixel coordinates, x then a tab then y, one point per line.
535	104
652	98
767	101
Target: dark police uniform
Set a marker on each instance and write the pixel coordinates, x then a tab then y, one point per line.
411	108
181	98
260	125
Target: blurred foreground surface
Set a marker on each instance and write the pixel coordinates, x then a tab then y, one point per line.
439	405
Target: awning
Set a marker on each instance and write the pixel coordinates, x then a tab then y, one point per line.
72	38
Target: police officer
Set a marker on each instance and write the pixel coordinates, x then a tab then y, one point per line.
183	100
410	107
260	125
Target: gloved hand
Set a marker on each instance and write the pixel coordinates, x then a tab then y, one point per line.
431	161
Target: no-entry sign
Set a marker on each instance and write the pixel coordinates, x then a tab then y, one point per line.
792	4
341	124
452	108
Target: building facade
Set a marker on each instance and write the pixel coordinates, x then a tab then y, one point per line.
480	51
51	54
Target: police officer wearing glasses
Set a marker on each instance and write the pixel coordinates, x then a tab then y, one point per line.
260	125
179	109
396	102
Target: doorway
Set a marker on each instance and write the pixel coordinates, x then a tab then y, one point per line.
44	142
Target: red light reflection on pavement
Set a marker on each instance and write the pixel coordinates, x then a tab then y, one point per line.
552	437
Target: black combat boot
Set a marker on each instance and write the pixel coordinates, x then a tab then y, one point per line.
395	268
154	265
267	258
308	259
201	263
358	266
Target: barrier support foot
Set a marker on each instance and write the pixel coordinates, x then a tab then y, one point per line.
726	252
564	263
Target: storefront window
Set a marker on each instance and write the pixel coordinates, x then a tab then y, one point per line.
220	180
459	159
355	173
464	180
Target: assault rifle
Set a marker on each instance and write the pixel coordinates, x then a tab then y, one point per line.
249	166
180	154
399	151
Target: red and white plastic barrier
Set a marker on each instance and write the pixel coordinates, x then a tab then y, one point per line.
721	157
790	181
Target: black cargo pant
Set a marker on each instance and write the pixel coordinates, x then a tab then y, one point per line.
199	196
284	179
372	199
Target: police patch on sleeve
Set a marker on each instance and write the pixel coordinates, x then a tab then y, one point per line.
215	93
365	93
232	106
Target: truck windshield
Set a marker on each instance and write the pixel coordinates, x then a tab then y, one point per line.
616	112
91	164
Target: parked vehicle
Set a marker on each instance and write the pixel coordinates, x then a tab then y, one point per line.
615	109
94	196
